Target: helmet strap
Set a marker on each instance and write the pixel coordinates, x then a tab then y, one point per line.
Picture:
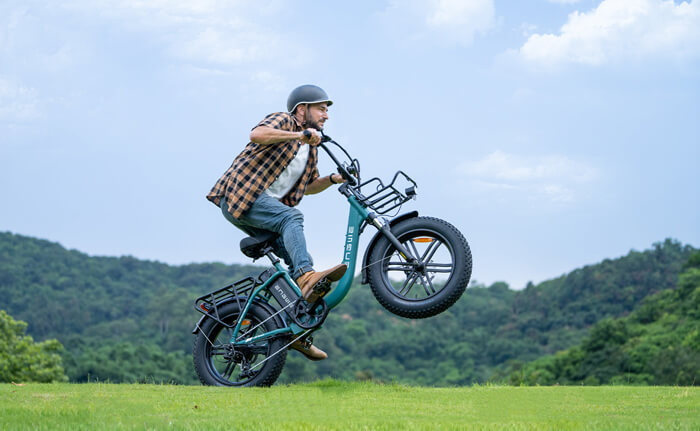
306	115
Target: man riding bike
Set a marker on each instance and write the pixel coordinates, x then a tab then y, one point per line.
271	175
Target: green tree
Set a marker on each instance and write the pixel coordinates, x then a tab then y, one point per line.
23	360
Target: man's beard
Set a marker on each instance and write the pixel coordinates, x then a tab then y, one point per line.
314	125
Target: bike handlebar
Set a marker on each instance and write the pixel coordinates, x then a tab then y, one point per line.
384	198
349	173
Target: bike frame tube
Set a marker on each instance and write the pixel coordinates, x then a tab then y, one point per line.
356	216
280	273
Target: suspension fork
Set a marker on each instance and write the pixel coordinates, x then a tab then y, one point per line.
385	229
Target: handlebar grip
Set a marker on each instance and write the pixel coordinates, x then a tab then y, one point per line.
306	133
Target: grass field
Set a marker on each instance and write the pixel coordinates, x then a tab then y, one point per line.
332	405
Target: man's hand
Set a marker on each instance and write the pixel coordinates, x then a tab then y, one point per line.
311	137
336	179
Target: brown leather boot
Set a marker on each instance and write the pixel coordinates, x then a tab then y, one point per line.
309	350
308	280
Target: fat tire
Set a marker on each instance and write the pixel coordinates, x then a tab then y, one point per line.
210	328
445	297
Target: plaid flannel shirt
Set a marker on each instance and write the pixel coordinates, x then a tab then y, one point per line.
258	166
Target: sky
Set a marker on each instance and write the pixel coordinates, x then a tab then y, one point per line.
553	134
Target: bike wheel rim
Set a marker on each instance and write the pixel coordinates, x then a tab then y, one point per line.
220	368
444	263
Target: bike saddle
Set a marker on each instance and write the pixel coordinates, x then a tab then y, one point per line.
254	246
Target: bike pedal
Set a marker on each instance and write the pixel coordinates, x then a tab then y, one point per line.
322	287
307	342
319	290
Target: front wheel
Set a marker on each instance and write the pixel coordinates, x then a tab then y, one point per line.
435	282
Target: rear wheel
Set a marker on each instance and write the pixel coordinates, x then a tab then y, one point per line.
218	363
429	287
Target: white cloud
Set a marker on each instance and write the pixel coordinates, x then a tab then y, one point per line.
206	31
17	102
618	30
527	29
452	20
554	178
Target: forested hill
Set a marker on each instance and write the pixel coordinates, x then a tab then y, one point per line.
658	343
124	319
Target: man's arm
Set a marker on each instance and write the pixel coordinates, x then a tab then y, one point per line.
264	135
322	183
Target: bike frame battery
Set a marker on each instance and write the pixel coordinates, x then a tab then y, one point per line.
280	289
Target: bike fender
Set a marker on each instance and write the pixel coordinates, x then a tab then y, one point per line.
269	308
375	238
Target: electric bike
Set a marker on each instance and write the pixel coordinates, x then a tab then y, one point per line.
416	267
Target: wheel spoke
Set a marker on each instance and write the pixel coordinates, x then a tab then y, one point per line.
410	281
438	267
427	255
433	248
399	266
218	350
228	370
430	282
425	287
404	285
415	250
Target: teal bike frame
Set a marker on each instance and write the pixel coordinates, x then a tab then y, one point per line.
357	215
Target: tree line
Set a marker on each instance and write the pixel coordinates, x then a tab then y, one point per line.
122	319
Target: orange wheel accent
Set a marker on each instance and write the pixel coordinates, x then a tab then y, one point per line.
424	239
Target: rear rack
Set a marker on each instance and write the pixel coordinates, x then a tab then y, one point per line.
209	304
387	197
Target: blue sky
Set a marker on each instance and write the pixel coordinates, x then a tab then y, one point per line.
553	134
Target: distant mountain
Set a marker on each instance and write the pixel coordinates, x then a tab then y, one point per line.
125	319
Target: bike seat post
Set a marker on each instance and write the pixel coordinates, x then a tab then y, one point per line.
270	255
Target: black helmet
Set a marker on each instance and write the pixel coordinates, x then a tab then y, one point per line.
306	94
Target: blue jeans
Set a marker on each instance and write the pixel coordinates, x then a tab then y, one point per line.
269	214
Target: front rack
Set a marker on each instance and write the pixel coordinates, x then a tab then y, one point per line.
209	304
387	197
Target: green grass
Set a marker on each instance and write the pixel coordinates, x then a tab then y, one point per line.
332	405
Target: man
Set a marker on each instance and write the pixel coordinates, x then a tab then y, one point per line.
272	174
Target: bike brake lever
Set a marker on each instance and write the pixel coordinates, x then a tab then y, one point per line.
349	174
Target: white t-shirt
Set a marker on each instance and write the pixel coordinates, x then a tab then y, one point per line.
290	175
